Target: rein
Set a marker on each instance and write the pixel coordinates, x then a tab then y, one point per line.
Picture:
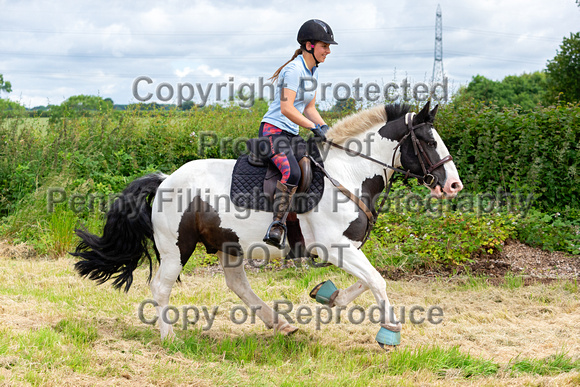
429	180
384	165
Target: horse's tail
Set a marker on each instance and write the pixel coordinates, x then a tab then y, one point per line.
125	237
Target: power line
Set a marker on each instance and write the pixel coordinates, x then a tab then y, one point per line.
503	34
185	56
277	32
204	33
489	57
108	74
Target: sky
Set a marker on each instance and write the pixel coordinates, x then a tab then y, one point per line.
51	50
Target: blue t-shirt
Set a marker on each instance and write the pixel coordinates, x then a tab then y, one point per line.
297	77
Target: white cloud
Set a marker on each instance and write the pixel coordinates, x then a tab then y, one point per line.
55	50
202	69
156	20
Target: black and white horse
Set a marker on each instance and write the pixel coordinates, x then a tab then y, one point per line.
192	206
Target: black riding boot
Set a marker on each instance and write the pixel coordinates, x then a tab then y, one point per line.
282	200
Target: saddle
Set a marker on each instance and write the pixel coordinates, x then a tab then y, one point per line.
254	181
255	176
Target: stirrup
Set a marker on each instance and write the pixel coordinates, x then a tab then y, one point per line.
273	242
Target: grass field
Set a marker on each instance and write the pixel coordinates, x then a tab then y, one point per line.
59	329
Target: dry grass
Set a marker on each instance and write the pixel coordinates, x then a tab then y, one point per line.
487	322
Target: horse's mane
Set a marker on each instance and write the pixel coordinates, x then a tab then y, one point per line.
362	121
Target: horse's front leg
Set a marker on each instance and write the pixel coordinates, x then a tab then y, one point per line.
237	281
354	262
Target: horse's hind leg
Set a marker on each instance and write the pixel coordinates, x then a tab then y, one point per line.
237	281
163	282
348	295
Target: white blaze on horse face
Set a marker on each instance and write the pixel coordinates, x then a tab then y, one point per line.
452	184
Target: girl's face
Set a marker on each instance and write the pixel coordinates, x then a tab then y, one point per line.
321	50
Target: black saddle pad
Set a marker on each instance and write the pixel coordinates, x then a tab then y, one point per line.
247	190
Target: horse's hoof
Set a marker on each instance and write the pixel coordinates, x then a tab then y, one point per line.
325	293
387	337
287	330
387	348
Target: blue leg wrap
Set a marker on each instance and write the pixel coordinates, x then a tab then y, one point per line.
325	293
387	337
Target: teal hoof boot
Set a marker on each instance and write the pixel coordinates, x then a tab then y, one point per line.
325	293
387	337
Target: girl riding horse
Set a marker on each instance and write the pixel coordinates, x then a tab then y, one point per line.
294	105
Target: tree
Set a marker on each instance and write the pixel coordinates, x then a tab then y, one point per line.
81	106
187	105
4	86
87	103
11	108
345	106
526	90
564	70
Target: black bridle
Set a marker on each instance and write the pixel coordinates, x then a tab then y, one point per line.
429	180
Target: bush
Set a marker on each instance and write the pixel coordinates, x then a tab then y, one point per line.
534	153
550	232
431	235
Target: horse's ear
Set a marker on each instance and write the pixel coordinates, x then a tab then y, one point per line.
423	115
432	113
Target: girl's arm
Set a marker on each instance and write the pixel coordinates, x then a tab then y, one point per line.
312	113
308	120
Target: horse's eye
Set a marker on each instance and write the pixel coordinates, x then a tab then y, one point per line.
432	144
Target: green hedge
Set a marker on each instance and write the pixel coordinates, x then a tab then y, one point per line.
107	151
536	152
496	151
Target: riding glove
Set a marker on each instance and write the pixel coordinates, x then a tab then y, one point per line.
320	132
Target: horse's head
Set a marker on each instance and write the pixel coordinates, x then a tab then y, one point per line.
423	152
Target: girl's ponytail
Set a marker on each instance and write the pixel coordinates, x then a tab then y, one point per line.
274	77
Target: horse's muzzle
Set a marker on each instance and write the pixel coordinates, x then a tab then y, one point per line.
452	187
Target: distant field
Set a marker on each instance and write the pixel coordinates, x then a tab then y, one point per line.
59	329
41	123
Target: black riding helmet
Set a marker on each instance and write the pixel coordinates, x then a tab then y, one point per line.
313	31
